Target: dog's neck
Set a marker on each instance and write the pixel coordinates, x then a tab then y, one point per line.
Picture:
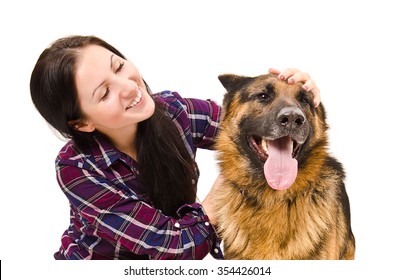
245	194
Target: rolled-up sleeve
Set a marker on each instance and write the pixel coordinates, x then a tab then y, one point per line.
204	118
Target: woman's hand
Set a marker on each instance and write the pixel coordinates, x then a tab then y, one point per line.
208	201
293	75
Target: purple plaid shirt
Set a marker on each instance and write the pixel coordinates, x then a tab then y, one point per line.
111	215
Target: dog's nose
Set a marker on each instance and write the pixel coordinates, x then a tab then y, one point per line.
291	117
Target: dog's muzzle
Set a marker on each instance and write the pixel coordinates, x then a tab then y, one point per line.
279	148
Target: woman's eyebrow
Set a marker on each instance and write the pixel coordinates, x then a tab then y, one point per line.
111	65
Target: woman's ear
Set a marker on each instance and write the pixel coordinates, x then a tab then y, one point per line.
80	125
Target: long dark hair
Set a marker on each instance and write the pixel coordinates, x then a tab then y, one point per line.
167	168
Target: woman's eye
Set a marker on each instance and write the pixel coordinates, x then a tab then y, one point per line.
120	67
105	96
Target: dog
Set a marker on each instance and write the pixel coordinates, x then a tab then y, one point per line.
283	195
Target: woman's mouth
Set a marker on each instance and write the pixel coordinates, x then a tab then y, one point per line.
136	101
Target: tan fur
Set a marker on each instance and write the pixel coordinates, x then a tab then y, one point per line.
306	221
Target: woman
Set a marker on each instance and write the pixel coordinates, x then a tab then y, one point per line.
128	170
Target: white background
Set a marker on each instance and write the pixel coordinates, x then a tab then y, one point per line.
183	46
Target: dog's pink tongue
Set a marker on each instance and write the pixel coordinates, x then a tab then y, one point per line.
280	167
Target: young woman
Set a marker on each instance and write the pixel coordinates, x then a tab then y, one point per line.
128	170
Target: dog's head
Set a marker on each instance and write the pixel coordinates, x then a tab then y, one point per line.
273	124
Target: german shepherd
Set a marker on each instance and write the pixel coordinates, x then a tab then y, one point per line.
283	195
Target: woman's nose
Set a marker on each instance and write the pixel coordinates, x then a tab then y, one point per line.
126	86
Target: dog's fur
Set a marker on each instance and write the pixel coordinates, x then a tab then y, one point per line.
308	220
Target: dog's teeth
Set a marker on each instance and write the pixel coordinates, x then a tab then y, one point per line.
264	146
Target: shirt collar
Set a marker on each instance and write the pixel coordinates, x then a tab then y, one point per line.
103	151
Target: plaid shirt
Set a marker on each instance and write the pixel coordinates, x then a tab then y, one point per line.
111	215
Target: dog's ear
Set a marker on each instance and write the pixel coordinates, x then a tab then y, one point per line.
232	82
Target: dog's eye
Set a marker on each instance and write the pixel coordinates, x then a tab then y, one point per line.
304	100
262	96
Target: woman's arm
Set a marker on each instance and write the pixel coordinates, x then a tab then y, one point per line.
208	202
204	117
123	218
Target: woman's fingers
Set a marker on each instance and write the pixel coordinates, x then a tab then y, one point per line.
294	75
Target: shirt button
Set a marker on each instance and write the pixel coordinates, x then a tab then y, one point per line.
216	250
207	224
177	225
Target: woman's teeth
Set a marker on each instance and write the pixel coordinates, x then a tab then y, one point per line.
136	100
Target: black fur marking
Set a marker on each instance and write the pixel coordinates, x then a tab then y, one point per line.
306	100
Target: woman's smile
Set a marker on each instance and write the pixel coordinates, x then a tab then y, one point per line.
136	100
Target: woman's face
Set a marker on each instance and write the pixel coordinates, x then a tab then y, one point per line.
111	92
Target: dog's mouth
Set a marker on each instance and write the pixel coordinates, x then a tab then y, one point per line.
261	147
279	157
